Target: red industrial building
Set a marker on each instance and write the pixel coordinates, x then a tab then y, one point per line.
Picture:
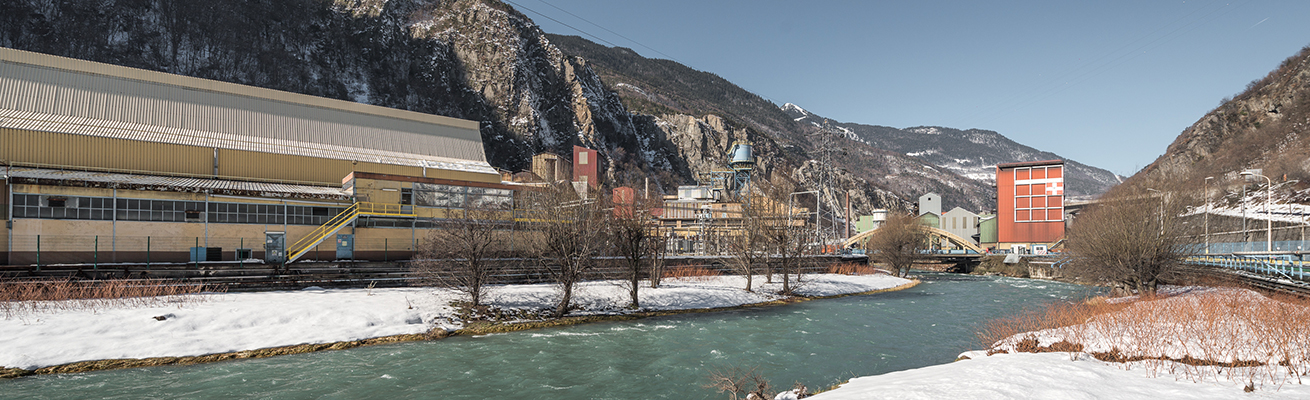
584	166
1030	205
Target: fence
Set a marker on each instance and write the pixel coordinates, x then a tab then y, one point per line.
41	250
1238	247
1284	267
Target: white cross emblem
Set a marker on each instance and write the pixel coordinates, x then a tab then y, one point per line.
1055	188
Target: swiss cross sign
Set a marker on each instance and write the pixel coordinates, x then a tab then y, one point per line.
1054	188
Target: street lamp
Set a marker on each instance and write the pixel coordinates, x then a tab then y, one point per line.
1207	214
1269	220
1161	209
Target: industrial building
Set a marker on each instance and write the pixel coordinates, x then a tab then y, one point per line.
872	221
962	223
1030	205
103	163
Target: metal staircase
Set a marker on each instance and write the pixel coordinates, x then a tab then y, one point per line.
307	243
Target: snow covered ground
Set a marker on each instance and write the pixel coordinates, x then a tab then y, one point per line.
1282	206
1043	376
1172	327
246	321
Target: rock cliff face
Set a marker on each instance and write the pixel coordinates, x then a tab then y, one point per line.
702	114
1263	127
471	59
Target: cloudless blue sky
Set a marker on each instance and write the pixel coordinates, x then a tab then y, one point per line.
1106	83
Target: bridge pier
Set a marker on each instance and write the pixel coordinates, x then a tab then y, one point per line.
964	266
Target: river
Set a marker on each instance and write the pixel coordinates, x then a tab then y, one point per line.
819	343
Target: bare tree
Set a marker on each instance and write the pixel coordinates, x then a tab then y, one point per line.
748	245
634	233
457	254
898	243
569	234
741	383
658	250
1132	240
788	234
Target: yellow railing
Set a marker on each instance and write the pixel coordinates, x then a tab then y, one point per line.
385	210
302	246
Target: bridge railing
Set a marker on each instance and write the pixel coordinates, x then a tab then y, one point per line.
1239	247
1276	266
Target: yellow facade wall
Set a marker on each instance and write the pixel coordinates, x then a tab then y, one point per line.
60	149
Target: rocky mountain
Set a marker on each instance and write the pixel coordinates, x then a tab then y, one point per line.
670	91
972	153
471	59
479	60
1263	127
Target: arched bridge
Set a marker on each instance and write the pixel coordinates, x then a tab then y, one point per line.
966	246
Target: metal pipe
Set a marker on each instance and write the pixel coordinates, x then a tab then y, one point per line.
113	224
207	213
9	217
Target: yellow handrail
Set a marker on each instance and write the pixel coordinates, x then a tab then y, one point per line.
390	210
314	237
302	246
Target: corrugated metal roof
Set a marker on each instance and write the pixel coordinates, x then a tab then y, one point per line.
166	183
55	94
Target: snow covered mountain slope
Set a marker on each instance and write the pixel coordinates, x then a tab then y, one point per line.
973	153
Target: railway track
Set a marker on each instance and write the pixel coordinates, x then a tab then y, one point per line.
1257	281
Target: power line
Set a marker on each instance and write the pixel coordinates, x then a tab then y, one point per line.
615	33
517	5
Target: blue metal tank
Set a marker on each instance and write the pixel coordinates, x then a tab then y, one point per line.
743	157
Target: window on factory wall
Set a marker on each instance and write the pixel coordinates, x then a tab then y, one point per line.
1039	194
451	196
125	209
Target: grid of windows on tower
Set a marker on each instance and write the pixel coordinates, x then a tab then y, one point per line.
1039	194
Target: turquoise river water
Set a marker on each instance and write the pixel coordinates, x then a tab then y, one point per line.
819	343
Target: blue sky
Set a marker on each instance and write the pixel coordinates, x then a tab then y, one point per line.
1106	83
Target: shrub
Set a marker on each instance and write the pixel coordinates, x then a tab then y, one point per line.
691	273
18	298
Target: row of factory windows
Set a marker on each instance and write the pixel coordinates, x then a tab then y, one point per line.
105	209
452	196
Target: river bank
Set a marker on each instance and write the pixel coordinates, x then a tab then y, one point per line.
253	325
1188	343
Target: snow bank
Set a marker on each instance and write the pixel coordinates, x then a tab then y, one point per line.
1221	324
1041	376
246	321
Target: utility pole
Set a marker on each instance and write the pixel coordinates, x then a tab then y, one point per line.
1207	214
1161	194
827	146
1269	217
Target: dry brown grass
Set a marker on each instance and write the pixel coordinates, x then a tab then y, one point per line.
1048	317
22	297
691	273
854	269
1204	334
